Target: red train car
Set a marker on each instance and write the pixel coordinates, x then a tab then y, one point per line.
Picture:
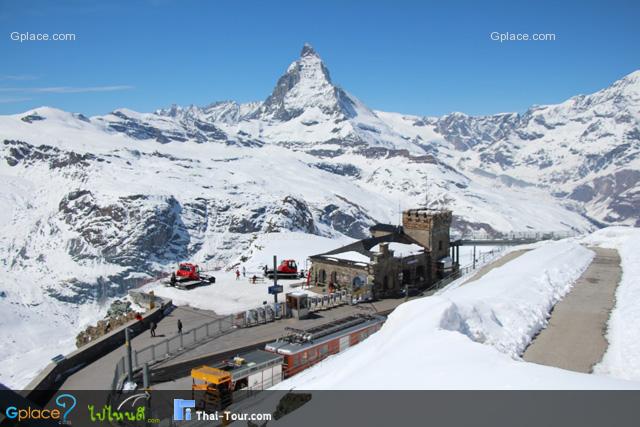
304	348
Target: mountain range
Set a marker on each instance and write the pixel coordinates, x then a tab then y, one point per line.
97	205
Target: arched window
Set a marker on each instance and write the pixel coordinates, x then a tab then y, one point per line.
334	277
439	245
358	281
385	283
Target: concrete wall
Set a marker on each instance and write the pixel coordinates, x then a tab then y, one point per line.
44	386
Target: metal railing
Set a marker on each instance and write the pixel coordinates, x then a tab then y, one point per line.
534	236
483	259
180	342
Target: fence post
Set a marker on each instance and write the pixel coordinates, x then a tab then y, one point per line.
145	376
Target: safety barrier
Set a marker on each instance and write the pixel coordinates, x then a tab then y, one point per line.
481	260
179	342
533	236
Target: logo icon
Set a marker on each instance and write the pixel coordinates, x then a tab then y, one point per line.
182	409
64	405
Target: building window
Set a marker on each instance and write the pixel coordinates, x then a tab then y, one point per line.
323	276
406	277
439	245
334	277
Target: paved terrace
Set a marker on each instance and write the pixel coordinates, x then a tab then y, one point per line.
98	375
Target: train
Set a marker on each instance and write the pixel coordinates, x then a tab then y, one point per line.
304	348
229	381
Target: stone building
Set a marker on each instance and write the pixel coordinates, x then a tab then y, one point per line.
413	255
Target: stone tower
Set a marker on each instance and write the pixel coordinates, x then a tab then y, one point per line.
430	228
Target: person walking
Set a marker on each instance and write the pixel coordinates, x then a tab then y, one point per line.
152	328
179	326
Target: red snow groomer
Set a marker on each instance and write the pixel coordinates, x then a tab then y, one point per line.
189	275
288	269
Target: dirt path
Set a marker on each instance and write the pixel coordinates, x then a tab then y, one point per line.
574	338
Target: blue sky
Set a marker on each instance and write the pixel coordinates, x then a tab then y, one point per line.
419	57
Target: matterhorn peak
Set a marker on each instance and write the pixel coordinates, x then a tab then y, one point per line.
308	50
306	85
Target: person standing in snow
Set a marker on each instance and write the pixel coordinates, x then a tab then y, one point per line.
244	271
179	326
152	328
237	274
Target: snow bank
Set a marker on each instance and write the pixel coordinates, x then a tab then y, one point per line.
622	358
469	338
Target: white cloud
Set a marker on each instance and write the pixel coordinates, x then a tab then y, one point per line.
17	77
66	89
13	100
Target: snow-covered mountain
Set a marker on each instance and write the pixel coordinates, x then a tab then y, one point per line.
93	206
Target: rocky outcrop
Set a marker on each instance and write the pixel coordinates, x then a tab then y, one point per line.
119	314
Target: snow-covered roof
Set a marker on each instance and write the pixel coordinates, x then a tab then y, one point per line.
401	249
352	256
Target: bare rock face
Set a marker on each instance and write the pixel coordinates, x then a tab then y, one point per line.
348	218
126	230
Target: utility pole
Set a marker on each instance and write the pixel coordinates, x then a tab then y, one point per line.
128	359
275	277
